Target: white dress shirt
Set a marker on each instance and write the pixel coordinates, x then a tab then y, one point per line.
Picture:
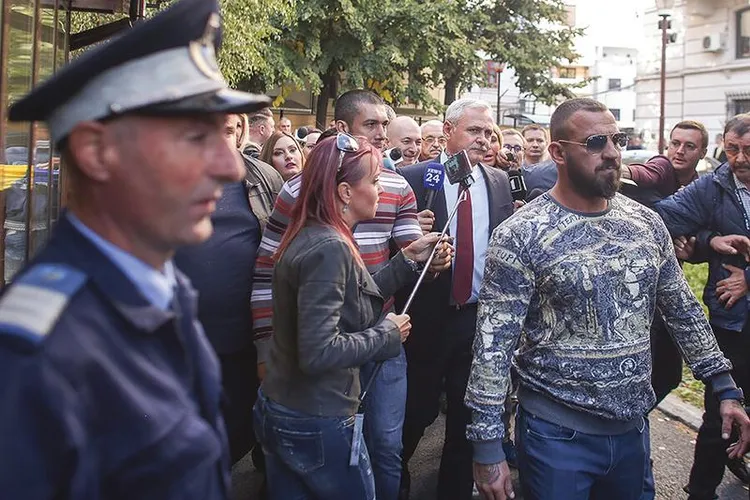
480	208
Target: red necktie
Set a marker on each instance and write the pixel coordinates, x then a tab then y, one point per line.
463	268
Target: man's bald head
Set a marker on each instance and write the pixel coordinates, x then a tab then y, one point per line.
404	133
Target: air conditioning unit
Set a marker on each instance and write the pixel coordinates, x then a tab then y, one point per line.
714	43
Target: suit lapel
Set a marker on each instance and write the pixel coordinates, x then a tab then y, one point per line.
493	190
440	210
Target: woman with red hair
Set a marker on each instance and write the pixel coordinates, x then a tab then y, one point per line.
327	323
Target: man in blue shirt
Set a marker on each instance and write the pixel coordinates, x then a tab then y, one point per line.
221	269
109	386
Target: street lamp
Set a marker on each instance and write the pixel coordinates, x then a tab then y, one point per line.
497	68
665	24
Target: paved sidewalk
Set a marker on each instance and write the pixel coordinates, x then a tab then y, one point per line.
672	445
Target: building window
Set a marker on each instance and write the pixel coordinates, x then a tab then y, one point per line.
741	106
743	33
616	113
33	43
568	72
615	84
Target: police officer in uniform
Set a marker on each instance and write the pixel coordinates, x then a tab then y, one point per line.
109	388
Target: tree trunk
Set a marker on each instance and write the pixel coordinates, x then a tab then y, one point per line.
327	92
451	88
321	108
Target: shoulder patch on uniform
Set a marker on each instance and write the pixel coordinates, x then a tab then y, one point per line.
33	303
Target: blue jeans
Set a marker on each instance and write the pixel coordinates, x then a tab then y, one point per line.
649	486
385	408
307	457
557	463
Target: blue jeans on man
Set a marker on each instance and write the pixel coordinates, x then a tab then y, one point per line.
307	457
385	408
557	463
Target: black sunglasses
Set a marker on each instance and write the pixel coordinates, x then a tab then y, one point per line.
516	148
596	143
345	143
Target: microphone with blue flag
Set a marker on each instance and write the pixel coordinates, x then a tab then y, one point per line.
434	176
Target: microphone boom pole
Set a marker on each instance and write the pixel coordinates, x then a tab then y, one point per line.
422	275
432	255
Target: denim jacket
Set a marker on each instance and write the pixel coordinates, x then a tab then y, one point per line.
710	207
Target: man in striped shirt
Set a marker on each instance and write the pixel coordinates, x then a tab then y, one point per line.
360	113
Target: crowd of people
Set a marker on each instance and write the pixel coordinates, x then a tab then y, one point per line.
221	284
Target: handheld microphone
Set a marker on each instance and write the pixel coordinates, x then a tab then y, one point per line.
392	158
458	169
517	185
433	179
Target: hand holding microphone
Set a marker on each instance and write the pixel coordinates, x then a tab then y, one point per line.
403	322
432	180
426	219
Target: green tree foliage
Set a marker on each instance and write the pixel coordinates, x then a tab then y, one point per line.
398	48
250	26
402	49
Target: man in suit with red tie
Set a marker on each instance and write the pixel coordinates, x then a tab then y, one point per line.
439	350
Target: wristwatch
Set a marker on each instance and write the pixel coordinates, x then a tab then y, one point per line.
414	265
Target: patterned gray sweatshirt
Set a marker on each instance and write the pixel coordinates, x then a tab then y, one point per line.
568	299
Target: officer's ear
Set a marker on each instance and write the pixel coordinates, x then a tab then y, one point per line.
88	148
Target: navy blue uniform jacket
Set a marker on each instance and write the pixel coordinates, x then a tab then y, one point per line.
103	395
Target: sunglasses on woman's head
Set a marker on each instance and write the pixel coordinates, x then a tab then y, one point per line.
596	143
345	143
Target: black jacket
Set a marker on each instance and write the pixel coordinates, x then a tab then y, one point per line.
327	324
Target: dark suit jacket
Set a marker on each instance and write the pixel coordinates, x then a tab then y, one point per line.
432	302
722	156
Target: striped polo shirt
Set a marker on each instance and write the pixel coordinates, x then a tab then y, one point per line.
396	219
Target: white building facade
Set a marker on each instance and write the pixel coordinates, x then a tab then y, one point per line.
608	54
707	68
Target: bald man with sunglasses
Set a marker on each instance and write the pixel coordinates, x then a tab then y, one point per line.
580	271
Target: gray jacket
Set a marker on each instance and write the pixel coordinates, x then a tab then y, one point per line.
327	323
262	183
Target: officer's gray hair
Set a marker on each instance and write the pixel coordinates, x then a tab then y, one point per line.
457	109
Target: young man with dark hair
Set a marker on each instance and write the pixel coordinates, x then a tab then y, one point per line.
584	300
348	115
536	143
